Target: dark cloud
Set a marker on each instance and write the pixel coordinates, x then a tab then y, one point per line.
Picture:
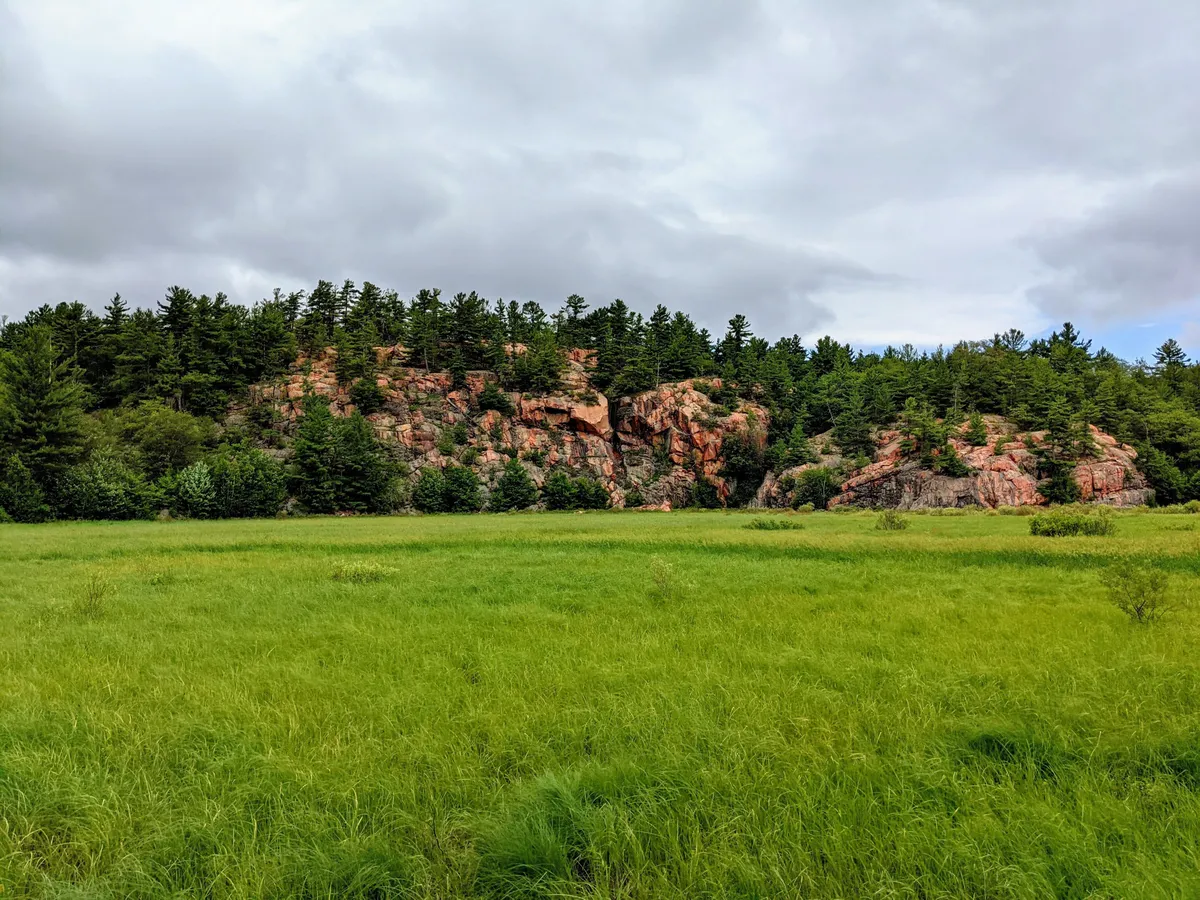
1137	254
874	171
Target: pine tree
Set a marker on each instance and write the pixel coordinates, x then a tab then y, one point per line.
976	433
851	430
514	490
312	477
799	451
21	497
359	471
44	422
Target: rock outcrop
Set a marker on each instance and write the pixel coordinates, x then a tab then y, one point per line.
656	444
1003	472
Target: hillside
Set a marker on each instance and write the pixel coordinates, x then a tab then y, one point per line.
673	446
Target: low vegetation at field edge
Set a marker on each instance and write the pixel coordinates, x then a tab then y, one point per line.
600	705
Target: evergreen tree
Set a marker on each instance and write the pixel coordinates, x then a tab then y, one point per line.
44	420
361	473
976	433
429	494
851	430
21	497
514	490
312	477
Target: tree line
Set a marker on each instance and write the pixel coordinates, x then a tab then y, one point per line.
134	400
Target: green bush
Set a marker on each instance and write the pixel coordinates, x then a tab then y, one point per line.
558	491
494	398
104	487
514	490
562	492
1062	486
704	494
430	489
817	486
1069	524
360	572
773	525
192	493
949	463
21	497
338	464
461	490
976	433
591	494
247	483
367	396
1138	591
890	520
634	499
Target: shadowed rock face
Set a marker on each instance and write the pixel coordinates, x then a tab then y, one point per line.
1005	478
662	440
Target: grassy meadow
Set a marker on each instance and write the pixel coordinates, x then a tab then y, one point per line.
595	705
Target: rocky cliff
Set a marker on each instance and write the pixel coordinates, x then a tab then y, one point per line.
655	444
1003	472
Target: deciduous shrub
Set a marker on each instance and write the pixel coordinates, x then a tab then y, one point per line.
355	572
891	520
817	486
1070	524
1137	590
105	487
192	493
634	499
773	525
247	483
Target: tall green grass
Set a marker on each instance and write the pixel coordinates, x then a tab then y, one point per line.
600	705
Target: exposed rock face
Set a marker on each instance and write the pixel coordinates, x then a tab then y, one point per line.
671	435
658	443
664	437
1004	476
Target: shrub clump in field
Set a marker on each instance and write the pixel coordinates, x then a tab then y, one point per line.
666	582
1138	591
773	525
360	572
1069	524
890	520
92	601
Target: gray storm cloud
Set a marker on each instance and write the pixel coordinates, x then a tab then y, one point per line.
925	170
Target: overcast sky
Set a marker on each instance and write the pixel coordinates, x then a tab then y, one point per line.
910	170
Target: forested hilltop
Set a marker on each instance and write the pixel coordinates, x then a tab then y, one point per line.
353	399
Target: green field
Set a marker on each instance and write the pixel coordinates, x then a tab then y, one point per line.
600	705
